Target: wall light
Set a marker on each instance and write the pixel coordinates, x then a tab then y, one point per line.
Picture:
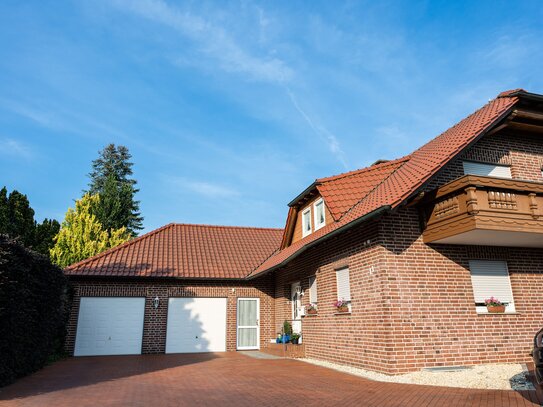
156	302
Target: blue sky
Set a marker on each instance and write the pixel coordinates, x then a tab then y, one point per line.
230	109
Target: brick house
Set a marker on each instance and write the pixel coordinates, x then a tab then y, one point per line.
413	247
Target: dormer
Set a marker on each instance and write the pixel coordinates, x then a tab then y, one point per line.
328	199
308	213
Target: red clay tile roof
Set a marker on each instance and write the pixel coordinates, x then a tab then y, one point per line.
341	192
185	251
406	177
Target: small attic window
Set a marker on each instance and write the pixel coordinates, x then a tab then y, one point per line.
306	222
320	217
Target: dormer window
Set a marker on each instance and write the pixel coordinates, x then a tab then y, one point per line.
318	210
306	222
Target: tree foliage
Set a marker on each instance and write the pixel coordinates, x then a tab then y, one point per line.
111	178
17	221
34	304
82	235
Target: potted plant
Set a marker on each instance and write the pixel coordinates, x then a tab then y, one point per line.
311	309
341	305
287	331
495	306
295	338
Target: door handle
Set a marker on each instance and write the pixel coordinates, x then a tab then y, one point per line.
257	322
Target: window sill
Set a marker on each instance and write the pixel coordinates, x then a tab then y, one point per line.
499	313
311	315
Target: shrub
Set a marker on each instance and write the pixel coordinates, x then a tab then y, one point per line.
287	328
34	305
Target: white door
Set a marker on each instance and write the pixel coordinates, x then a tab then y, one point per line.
248	316
296	300
109	326
196	325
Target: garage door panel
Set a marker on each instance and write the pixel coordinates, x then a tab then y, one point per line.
196	325
110	326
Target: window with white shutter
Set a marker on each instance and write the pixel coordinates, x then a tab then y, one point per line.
306	222
490	278
488	170
343	284
313	289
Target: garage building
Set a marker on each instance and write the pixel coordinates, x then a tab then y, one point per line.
178	289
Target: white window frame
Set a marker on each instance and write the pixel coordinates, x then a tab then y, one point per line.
316	222
481	309
313	293
491	167
339	296
304	222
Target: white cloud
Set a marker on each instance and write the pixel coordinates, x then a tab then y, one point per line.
509	52
204	188
213	41
330	139
15	148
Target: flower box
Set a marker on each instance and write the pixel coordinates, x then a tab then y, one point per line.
496	309
343	308
495	306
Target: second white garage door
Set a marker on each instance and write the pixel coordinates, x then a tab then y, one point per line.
196	325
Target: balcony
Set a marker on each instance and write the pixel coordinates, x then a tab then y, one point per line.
477	210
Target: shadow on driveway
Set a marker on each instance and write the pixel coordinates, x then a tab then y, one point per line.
91	370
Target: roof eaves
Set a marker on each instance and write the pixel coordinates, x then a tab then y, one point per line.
303	194
379	211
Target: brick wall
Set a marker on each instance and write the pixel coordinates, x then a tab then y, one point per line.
412	303
360	338
154	329
523	153
432	311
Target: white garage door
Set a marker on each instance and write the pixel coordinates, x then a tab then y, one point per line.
196	325
109	326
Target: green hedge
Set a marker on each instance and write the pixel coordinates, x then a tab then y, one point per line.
34	304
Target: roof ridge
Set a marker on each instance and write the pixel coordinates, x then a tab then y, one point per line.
122	245
364	169
203	225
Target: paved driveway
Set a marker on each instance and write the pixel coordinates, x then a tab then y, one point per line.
227	379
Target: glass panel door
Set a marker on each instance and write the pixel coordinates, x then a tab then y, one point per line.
248	315
296	301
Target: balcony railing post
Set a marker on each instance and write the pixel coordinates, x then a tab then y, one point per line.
533	206
471	201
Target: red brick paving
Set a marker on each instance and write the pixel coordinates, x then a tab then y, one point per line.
227	379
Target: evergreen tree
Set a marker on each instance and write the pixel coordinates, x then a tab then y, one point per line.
17	221
111	178
44	235
4	211
82	235
17	217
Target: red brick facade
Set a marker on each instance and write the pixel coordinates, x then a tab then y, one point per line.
412	303
154	329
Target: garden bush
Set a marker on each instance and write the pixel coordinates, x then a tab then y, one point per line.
34	304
